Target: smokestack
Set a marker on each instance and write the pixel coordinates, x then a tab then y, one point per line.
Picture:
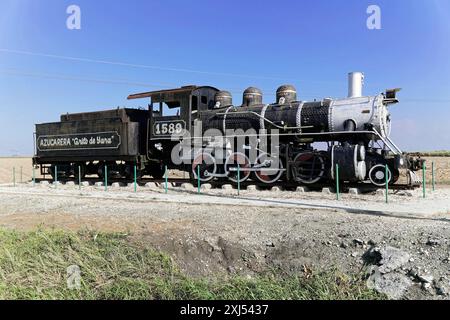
355	84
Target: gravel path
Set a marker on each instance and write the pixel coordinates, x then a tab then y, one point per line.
219	232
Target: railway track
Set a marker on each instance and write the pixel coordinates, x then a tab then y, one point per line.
177	182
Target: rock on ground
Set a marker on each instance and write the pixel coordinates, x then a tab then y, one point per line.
392	258
393	284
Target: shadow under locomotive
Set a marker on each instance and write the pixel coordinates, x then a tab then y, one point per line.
198	130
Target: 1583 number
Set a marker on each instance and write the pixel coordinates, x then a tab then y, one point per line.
169	128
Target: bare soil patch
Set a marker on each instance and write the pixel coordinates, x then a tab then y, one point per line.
23	167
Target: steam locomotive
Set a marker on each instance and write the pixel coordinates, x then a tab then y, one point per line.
197	129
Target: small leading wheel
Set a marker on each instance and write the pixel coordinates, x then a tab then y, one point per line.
270	168
308	167
377	175
206	165
237	164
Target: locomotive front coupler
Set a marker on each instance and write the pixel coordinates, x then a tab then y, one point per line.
408	162
415	163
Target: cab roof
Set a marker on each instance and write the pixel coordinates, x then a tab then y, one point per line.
169	94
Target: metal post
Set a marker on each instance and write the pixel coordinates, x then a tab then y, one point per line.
424	181
135	179
34	177
386	175
56	177
106	178
239	178
166	178
14	176
198	178
79	178
338	196
433	181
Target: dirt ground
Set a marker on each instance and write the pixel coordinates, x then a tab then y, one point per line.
23	168
442	169
220	233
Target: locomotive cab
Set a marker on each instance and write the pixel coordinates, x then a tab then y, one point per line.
171	116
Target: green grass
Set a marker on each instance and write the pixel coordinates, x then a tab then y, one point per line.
33	266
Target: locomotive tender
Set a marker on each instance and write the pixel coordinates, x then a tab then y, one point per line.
179	122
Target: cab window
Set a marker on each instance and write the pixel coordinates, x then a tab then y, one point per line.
167	109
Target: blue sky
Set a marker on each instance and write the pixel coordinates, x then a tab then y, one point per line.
227	44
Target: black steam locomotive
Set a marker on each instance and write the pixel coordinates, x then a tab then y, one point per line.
199	130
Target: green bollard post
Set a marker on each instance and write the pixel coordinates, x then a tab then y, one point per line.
56	177
433	181
239	179
337	183
198	179
34	177
106	178
386	175
135	179
14	176
79	178
424	180
166	180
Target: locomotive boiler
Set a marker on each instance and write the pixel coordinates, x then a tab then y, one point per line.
200	130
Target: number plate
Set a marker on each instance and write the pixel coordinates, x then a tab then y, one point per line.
169	128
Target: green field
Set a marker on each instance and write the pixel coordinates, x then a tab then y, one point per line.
34	265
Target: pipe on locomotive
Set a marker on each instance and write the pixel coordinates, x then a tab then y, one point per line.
355	84
355	113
